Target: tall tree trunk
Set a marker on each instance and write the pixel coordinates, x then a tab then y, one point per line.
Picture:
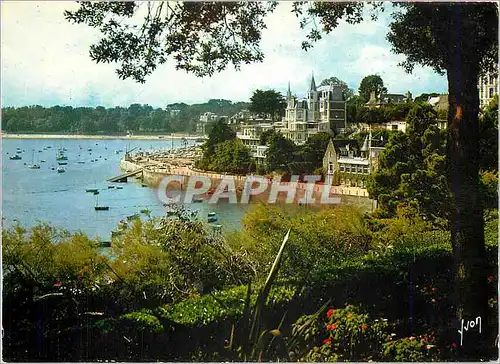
466	215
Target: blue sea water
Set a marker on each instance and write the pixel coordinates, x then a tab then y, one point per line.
33	195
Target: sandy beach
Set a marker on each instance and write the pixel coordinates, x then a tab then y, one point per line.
78	136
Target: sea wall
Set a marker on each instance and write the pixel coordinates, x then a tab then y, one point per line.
152	176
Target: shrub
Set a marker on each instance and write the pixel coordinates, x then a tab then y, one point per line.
319	239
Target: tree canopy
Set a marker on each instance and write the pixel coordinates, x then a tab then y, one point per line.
412	169
371	83
268	102
280	152
137	118
201	37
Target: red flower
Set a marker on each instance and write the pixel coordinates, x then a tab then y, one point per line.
327	340
331	326
425	288
330	312
453	345
490	279
57	284
364	327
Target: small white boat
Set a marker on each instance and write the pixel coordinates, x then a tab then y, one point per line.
61	169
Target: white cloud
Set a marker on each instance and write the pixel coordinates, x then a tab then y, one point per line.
45	61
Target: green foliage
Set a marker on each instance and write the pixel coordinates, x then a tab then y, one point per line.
488	184
144	320
227	304
45	256
219	133
417	32
488	137
280	152
413	349
313	150
371	83
266	135
194	35
231	156
412	168
118	120
175	258
491	227
320	239
119	298
350	336
223	152
269	102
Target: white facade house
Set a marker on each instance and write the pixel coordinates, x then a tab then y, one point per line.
396	125
323	110
250	137
488	87
208	116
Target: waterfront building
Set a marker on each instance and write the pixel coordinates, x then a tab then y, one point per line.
208	116
205	119
322	110
488	87
344	165
250	137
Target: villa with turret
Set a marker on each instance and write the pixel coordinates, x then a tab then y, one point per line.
322	110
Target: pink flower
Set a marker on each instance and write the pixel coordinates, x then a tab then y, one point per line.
412	338
57	284
433	289
453	345
425	288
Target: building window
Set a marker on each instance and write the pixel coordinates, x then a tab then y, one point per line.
342	168
394	127
492	90
365	170
492	80
330	167
360	169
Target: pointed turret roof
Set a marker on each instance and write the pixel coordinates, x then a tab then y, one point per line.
289	92
313	84
364	148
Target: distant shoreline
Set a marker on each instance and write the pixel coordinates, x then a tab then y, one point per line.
78	136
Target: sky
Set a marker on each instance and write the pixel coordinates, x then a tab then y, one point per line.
45	61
